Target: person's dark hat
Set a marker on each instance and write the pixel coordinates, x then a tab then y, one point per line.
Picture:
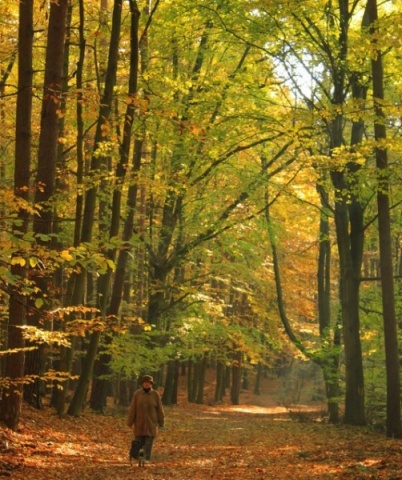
147	378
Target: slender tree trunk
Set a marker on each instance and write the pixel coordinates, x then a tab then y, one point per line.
220	382
97	163
191	381
175	393
168	391
330	363
236	379
201	379
101	369
349	293
394	428
11	395
66	353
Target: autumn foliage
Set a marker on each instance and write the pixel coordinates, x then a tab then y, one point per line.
258	440
192	184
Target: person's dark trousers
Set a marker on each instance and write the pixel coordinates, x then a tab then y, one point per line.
146	442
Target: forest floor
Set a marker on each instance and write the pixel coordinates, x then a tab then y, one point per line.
258	440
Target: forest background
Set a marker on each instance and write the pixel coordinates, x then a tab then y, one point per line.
200	184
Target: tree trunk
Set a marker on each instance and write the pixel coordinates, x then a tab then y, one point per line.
331	348
349	264
394	427
220	382
100	384
45	183
191	382
118	289
202	369
97	160
349	294
171	383
236	379
99	389
11	395
67	353
61	186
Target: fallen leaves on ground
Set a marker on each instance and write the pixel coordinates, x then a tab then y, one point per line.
200	442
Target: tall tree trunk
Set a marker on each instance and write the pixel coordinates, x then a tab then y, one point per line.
101	369
61	186
349	266
349	293
394	428
66	353
330	363
11	396
45	183
97	163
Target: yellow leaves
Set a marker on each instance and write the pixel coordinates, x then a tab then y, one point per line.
40	336
340	157
12	351
18	261
86	256
106	148
39	302
66	255
111	264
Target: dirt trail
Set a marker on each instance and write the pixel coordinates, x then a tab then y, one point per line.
199	443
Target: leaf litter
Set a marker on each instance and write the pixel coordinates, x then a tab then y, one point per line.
201	442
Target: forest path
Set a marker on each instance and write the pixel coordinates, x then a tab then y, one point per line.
200	442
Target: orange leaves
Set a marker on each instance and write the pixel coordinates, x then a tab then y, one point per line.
200	443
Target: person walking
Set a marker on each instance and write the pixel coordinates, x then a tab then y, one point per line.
145	415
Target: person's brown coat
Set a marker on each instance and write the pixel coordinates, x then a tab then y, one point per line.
146	413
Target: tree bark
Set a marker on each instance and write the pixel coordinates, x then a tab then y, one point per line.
100	384
236	379
45	183
330	362
220	382
393	422
66	353
171	383
11	394
202	368
97	163
191	382
349	249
